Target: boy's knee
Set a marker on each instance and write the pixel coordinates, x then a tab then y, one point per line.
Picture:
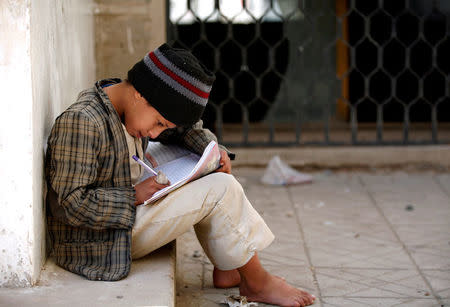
225	181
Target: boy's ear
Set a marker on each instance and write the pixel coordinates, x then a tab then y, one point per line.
137	94
139	97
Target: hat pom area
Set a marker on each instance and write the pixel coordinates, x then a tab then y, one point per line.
174	82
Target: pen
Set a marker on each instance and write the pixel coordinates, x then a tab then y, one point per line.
144	165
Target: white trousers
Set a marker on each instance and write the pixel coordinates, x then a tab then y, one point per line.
227	226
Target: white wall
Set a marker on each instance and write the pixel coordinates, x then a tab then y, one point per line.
46	58
16	218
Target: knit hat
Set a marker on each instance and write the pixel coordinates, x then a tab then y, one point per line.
174	82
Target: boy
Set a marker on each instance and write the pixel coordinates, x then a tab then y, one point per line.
95	220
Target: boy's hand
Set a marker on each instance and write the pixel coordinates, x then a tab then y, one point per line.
145	189
225	163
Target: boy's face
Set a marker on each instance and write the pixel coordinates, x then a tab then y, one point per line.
143	120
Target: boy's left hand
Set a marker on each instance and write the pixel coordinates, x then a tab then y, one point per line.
225	163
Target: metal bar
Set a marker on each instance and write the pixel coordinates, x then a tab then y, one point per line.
245	125
434	124
354	124
271	131
298	127
379	123
219	124
406	125
327	123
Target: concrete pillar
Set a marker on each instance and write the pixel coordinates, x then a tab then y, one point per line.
16	219
46	58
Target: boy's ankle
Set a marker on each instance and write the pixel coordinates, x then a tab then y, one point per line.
257	284
226	279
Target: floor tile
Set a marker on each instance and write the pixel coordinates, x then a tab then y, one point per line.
343	244
440	281
381	302
409	198
371	283
444	182
327	201
429	245
445	302
283	254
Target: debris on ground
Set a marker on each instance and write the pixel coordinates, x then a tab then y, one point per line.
238	301
409	208
279	173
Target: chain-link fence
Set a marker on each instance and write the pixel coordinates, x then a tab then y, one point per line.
327	72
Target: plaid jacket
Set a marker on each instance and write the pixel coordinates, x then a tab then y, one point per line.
90	200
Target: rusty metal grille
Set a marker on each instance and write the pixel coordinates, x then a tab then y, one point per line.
361	72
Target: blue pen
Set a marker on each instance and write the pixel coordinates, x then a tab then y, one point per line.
144	165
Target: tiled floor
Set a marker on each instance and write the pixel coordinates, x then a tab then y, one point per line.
352	239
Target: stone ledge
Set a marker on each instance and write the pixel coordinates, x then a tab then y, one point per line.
151	282
347	156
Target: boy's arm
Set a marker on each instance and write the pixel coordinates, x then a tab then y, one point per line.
71	171
194	138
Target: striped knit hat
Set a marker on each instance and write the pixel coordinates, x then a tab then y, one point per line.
174	82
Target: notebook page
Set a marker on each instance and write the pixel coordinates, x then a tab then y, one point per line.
208	162
187	168
180	168
164	153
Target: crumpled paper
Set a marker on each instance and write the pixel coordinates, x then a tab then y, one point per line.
279	173
238	301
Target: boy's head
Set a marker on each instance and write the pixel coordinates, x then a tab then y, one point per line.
174	82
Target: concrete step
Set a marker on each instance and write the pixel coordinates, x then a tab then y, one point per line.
151	282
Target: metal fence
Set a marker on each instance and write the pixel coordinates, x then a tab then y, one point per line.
333	72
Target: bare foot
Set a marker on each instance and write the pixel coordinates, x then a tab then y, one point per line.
229	279
276	291
226	279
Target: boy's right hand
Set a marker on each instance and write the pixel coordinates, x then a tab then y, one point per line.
145	189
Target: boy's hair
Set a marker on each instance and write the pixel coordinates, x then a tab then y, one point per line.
174	82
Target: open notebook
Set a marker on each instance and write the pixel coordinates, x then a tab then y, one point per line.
180	165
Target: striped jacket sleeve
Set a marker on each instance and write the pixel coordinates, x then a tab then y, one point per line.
73	148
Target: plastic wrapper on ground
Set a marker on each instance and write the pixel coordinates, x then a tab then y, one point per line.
279	173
